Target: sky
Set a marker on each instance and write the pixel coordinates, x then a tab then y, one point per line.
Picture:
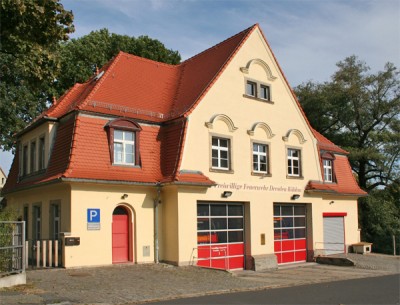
308	37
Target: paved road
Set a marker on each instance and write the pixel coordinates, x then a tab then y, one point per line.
375	290
130	283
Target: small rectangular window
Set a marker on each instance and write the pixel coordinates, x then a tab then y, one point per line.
251	88
220	154
37	222
293	162
124	147
265	92
33	157
260	158
26	213
24	160
328	172
55	221
41	153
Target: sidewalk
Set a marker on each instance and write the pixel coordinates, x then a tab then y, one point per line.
122	284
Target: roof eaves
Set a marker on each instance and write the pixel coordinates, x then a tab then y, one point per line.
103	181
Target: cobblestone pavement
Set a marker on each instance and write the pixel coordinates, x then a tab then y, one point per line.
132	284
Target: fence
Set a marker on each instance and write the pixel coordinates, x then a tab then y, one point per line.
43	253
12	250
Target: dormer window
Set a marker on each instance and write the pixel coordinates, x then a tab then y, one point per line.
123	139
327	164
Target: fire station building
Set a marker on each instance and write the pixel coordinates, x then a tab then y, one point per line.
211	162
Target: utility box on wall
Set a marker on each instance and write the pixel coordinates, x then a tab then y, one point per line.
72	241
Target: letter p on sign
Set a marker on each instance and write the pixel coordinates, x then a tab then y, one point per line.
93	215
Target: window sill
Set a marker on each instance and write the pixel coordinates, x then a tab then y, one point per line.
259	174
224	171
295	177
258	99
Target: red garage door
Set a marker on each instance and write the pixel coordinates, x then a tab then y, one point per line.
120	235
290	243
220	235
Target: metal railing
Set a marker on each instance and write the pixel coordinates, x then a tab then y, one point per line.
12	249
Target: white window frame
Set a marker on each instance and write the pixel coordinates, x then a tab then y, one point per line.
219	149
267	89
41	152
259	154
124	143
291	160
328	170
253	85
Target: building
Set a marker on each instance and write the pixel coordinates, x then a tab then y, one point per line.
210	162
3	179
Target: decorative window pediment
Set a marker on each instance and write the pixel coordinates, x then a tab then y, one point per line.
295	132
264	127
261	63
224	118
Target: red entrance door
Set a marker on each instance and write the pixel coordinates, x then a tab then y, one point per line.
120	235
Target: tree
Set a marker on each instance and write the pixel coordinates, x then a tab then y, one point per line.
30	32
360	112
80	57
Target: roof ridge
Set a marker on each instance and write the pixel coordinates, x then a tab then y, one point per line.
148	60
249	29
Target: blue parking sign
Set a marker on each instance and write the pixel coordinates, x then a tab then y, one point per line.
93	215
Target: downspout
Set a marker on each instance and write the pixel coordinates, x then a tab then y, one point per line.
157	201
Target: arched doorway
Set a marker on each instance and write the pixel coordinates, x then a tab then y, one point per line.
120	235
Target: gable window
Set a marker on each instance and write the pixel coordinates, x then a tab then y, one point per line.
293	162
41	153
123	137
260	158
265	92
33	157
220	153
251	88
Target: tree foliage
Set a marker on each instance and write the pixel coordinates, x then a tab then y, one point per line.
30	32
360	112
81	56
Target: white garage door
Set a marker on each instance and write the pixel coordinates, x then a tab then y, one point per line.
334	235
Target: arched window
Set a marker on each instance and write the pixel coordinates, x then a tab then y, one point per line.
123	139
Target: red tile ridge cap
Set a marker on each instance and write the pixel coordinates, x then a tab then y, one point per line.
222	68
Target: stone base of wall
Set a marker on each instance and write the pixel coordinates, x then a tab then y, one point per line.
262	262
13	280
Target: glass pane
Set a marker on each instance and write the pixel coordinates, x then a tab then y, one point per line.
129	158
214	162
203	238
202	210
235	223
277	210
223	142
118	135
224	163
287	222
255	147
129	148
215	141
299	222
203	224
287	234
277	234
215	153
299	210
221	237
118	152
236	236
218	210
128	135
277	222
300	233
224	154
287	210
263	167
218	224
235	210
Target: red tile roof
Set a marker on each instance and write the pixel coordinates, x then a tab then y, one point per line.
327	145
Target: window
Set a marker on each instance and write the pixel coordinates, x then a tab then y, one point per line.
36	222
124	143
26	213
41	153
328	170
260	158
264	92
294	162
2	181
24	160
33	157
55	221
251	88
123	136
220	153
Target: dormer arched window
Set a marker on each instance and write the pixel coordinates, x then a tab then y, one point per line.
123	139
327	164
